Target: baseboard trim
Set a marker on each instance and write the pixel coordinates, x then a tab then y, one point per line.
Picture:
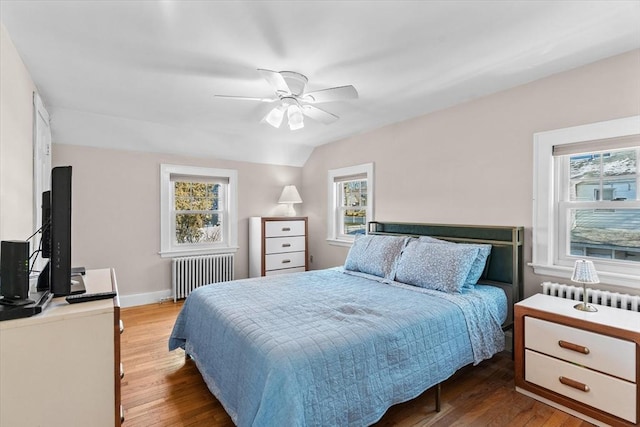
144	299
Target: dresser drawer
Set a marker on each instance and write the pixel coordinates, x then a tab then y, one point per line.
284	228
612	395
274	245
600	352
285	271
285	260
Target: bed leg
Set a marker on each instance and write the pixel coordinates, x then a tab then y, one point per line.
438	397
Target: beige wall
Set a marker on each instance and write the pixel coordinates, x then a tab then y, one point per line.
16	143
472	163
116	216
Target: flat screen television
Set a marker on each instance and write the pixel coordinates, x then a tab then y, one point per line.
56	235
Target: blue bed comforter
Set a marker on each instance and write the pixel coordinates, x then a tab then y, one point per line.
325	348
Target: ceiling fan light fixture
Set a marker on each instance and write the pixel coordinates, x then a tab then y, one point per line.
275	116
296	120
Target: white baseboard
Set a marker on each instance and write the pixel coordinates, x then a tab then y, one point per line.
144	299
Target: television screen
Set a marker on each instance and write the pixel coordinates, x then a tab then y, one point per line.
60	231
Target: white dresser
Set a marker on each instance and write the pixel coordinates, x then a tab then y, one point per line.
61	368
584	363
277	245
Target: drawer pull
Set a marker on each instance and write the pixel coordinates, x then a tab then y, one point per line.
574	384
573	347
121	324
286	228
286	261
286	245
121	371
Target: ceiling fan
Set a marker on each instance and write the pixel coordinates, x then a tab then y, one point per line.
289	87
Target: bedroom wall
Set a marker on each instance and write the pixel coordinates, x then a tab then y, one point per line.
16	143
116	216
472	163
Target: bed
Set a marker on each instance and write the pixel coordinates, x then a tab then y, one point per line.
342	345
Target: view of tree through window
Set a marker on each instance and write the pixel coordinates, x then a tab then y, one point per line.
603	224
197	212
354	206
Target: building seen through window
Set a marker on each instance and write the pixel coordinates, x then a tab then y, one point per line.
602	224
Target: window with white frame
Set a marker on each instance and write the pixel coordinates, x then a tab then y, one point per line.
587	204
198	210
350	192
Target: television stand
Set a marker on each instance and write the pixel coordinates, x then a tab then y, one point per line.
16	302
77	285
39	300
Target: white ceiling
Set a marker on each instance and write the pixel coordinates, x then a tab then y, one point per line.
141	75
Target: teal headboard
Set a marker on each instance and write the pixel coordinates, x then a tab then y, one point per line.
505	264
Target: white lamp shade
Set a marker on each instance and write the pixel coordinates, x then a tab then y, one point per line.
584	272
290	195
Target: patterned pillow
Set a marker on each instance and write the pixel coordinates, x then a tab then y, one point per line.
435	266
376	255
478	264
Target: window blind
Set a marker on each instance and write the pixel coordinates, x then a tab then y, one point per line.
199	179
597	145
356	177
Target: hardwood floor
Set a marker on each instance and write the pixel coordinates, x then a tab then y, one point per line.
160	388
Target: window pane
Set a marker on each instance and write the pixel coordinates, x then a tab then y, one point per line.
354	221
198	228
603	176
197	196
354	193
606	233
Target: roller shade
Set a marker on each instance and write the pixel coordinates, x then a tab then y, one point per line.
597	145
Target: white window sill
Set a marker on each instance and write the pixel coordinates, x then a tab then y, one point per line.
338	242
624	280
195	252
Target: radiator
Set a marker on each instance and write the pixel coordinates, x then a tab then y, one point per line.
189	273
594	296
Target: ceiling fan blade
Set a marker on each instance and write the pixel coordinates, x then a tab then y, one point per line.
318	114
331	94
276	80
246	98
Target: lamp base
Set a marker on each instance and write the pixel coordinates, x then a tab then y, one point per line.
585	307
291	211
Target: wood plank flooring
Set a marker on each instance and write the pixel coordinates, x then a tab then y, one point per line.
160	388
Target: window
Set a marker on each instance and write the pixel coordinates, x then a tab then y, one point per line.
198	210
350	202
586	200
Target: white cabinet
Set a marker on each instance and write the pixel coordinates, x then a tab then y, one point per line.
61	368
277	245
581	362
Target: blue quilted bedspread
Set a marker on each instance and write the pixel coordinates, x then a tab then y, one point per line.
326	348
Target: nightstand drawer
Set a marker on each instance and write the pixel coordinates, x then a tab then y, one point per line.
286	260
612	395
276	245
600	352
284	228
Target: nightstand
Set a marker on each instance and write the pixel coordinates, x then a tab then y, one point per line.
586	364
